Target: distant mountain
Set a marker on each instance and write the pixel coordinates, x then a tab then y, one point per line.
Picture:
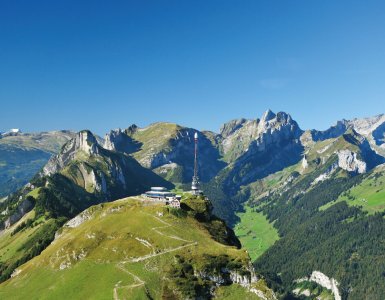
306	186
372	128
110	174
168	150
24	154
82	174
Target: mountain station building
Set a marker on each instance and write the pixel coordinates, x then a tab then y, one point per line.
159	193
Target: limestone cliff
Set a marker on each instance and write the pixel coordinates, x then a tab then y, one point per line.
168	149
108	173
83	141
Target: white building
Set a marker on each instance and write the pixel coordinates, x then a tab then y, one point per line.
160	193
174	203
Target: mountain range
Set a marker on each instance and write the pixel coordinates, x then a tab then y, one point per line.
321	194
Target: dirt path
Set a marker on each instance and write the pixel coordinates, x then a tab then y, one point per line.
138	281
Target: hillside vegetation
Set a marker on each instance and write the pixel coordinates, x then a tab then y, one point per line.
81	175
129	249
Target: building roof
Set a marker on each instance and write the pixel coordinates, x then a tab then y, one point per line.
158	188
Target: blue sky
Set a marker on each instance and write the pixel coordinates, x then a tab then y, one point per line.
108	64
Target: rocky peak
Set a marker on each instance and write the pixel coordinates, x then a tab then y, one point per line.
83	141
366	126
280	122
230	127
333	132
112	138
121	141
86	141
373	128
131	129
267	116
349	161
240	136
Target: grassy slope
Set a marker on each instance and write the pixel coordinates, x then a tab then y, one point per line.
154	138
255	232
110	240
369	194
9	244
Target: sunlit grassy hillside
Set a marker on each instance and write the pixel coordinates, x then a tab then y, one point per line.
128	249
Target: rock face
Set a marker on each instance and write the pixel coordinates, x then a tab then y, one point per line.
379	135
168	149
236	138
348	161
23	208
333	132
100	171
262	147
372	128
366	126
326	282
229	128
79	219
84	141
117	140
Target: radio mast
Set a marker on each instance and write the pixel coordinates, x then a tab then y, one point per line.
195	180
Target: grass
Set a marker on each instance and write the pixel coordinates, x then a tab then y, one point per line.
255	232
116	233
34	193
10	244
370	194
154	138
235	292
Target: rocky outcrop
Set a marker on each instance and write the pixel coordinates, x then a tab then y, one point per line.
247	279
333	132
79	219
226	276
379	135
84	141
257	135
117	140
373	128
326	282
348	160
236	138
325	175
167	147
24	207
109	174
274	145
276	129
230	127
304	163
366	126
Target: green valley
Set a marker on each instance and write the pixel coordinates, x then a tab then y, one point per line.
255	232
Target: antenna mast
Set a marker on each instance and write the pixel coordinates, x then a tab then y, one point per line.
195	179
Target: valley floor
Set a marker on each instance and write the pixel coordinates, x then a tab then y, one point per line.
255	232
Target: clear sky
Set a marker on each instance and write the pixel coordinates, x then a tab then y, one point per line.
105	64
